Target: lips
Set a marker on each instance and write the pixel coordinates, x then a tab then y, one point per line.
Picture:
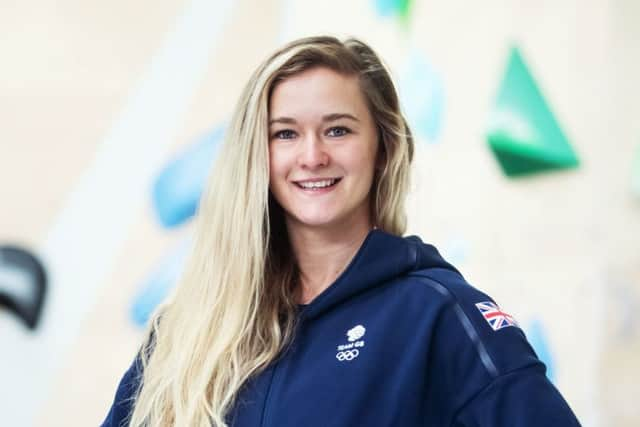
317	184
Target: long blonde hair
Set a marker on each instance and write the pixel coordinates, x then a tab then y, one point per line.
233	311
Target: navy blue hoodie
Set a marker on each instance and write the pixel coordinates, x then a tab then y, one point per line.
399	339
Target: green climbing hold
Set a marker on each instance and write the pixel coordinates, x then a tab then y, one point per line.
399	8
523	133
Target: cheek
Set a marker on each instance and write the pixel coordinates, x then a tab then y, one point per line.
365	162
277	168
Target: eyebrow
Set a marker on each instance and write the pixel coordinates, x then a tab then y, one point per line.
326	118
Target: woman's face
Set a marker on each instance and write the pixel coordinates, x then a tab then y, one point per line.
322	150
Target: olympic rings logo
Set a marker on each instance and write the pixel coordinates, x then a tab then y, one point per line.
347	355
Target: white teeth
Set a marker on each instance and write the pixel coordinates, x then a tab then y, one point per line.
317	184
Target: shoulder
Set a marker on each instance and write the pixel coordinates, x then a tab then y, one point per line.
449	284
480	357
487	334
122	405
129	385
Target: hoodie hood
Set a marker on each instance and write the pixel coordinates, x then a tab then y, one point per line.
381	257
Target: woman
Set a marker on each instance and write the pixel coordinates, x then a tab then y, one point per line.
301	304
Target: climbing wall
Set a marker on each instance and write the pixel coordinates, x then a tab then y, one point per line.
526	174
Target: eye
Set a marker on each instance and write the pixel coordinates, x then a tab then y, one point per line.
338	131
284	134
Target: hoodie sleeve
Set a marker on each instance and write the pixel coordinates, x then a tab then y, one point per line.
121	407
484	364
523	398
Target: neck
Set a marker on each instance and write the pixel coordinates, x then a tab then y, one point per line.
323	254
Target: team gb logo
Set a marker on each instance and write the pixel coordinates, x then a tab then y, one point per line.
348	352
356	333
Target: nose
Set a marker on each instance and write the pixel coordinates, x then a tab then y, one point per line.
312	153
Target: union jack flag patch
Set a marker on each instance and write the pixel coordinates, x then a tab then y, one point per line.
496	318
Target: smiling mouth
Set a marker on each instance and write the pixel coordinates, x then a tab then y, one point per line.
317	184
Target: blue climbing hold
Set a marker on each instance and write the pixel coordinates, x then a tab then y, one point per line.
538	340
422	97
178	187
159	284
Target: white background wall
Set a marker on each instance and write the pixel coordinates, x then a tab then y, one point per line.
77	76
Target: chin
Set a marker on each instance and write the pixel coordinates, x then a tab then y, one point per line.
322	220
315	222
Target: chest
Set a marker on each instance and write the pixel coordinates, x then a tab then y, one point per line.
356	369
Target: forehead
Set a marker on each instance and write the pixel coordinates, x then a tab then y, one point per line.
318	90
